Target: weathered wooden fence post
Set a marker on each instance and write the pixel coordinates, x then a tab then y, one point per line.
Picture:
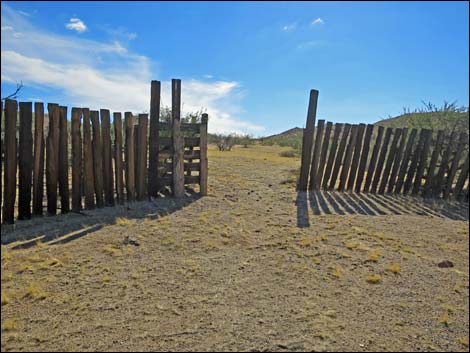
364	157
390	159
88	174
356	156
422	162
339	156
141	176
25	159
432	165
373	159
118	157
203	155
461	180
307	140
332	154
97	158
178	143
76	160
316	156
347	159
463	140
398	159
38	171
63	161
9	184
52	158
130	156
108	179
381	160
404	163
153	138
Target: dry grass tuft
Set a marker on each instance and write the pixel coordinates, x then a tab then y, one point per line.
394	268
35	292
445	318
374	279
5	299
9	325
374	255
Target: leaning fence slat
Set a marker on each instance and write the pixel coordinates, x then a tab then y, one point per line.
332	154
348	158
397	160
438	185
381	160
339	156
316	155
108	179
390	158
373	158
25	159
130	157
97	158
414	162
63	161
38	170
203	161
141	175
404	163
9	181
52	158
463	140
356	156
430	178
76	160
88	173
364	157
178	144
118	157
153	138
462	178
324	152
422	162
307	141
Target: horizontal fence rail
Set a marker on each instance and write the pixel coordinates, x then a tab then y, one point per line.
382	160
91	161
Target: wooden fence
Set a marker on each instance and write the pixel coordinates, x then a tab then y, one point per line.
77	158
369	158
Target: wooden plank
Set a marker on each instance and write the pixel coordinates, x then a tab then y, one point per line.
178	147
118	157
414	162
324	153
381	160
25	159
423	159
404	163
188	141
332	154
130	157
204	168
88	170
63	161
430	178
307	140
108	178
364	157
97	158
52	158
155	91
9	181
141	176
348	158
76	160
397	160
339	156
168	167
356	156
316	156
38	170
373	158
390	159
438	186
463	140
192	128
457	194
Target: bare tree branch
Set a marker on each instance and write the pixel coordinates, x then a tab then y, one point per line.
14	95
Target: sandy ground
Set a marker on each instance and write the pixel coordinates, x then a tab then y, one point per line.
254	266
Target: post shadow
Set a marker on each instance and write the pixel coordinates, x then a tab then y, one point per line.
302	210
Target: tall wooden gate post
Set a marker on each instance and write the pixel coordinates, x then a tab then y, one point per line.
178	143
307	140
153	138
203	154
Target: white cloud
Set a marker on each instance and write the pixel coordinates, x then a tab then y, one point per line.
99	74
289	27
318	21
76	24
7	28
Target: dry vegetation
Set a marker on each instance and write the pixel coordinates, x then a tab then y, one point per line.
236	270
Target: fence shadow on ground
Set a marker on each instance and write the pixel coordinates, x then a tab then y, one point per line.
62	229
343	203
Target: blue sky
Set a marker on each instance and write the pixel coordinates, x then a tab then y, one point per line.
249	64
